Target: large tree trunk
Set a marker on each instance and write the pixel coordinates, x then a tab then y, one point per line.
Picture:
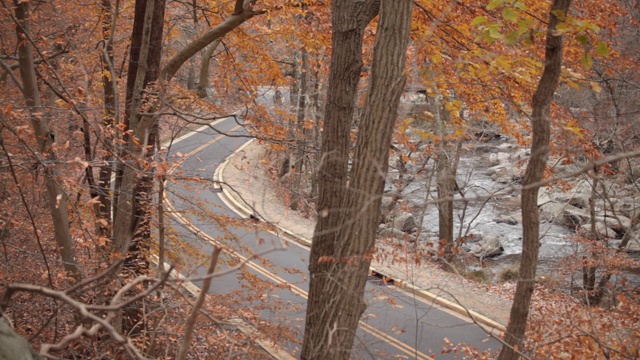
541	126
346	67
56	195
338	278
302	110
345	70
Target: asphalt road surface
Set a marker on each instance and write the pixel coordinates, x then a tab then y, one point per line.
396	324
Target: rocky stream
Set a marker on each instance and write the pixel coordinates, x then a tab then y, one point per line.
489	216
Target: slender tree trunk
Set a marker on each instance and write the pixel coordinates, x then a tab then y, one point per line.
337	281
445	182
56	194
302	109
203	82
195	311
294	91
110	110
297	158
589	272
541	126
315	137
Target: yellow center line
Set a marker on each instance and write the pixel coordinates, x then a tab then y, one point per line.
273	277
200	148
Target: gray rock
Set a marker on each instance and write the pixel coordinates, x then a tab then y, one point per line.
602	230
386	202
552	212
505	146
520	154
563	214
543	196
494	169
391	233
578	199
634	243
634	239
405	222
489	247
573	217
14	346
507	175
605	231
619	222
507	219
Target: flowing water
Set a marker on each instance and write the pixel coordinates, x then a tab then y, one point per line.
492	209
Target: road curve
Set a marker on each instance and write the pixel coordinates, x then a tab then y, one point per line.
396	324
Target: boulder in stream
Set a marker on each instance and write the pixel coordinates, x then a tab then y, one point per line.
508	219
488	247
507	175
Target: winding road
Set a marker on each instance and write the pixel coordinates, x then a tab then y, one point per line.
396	324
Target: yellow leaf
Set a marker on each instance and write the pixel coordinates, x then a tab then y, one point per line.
575	130
573	84
595	86
503	63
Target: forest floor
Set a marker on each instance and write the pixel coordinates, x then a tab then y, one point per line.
249	185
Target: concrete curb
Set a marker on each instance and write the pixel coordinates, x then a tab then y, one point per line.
237	205
218	179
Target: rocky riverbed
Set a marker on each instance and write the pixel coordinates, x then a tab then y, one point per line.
489	216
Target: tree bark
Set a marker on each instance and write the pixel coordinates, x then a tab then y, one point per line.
445	182
45	139
203	82
298	156
338	278
134	193
109	116
349	21
541	126
302	110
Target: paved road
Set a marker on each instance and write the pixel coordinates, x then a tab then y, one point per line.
395	324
